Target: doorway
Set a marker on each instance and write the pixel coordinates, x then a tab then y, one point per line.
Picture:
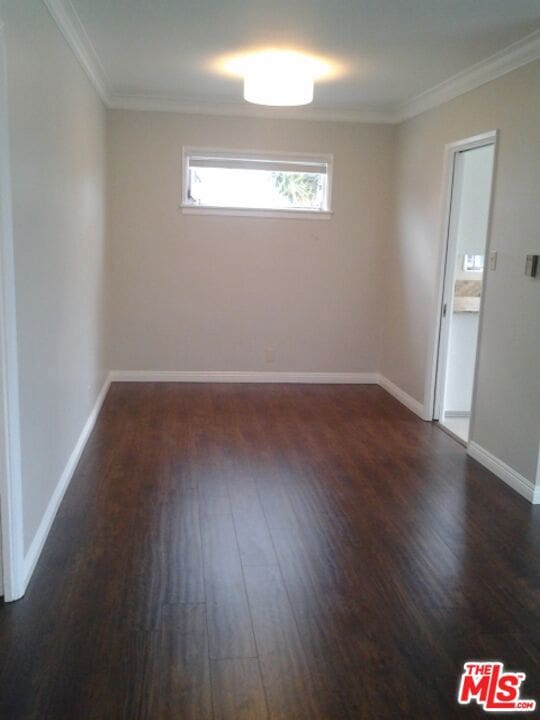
471	180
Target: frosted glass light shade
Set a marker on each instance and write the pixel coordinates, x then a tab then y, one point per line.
278	80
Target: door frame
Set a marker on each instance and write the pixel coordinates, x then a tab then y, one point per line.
441	330
10	442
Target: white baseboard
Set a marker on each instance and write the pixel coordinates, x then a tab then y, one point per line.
233	376
504	472
256	376
457	414
34	551
404	398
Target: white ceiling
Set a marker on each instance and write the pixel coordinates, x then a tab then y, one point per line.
392	50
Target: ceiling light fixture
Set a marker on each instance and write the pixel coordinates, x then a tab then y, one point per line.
279	78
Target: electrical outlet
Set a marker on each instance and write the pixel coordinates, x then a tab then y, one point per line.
493	260
270	354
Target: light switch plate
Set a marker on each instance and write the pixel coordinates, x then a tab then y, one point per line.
493	260
531	265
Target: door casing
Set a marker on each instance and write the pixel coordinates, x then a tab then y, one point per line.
11	509
451	183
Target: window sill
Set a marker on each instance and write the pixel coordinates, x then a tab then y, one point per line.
256	212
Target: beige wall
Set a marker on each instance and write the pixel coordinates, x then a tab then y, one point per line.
57	134
213	293
507	420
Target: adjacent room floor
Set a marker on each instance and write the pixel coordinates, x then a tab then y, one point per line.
271	551
459	426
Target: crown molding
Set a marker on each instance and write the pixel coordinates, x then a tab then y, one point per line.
510	58
120	101
71	27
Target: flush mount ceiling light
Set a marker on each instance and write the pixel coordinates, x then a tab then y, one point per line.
280	78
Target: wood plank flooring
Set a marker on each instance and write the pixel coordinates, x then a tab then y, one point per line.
294	552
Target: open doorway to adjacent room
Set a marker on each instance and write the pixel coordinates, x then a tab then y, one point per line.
471	179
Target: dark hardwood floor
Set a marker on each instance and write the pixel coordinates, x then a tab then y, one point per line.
292	552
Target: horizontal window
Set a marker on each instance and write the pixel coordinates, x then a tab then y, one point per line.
256	183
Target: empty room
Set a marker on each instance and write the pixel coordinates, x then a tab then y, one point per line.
269	359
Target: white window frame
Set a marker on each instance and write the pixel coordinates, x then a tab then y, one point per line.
189	208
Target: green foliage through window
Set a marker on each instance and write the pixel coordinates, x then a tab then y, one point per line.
300	189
